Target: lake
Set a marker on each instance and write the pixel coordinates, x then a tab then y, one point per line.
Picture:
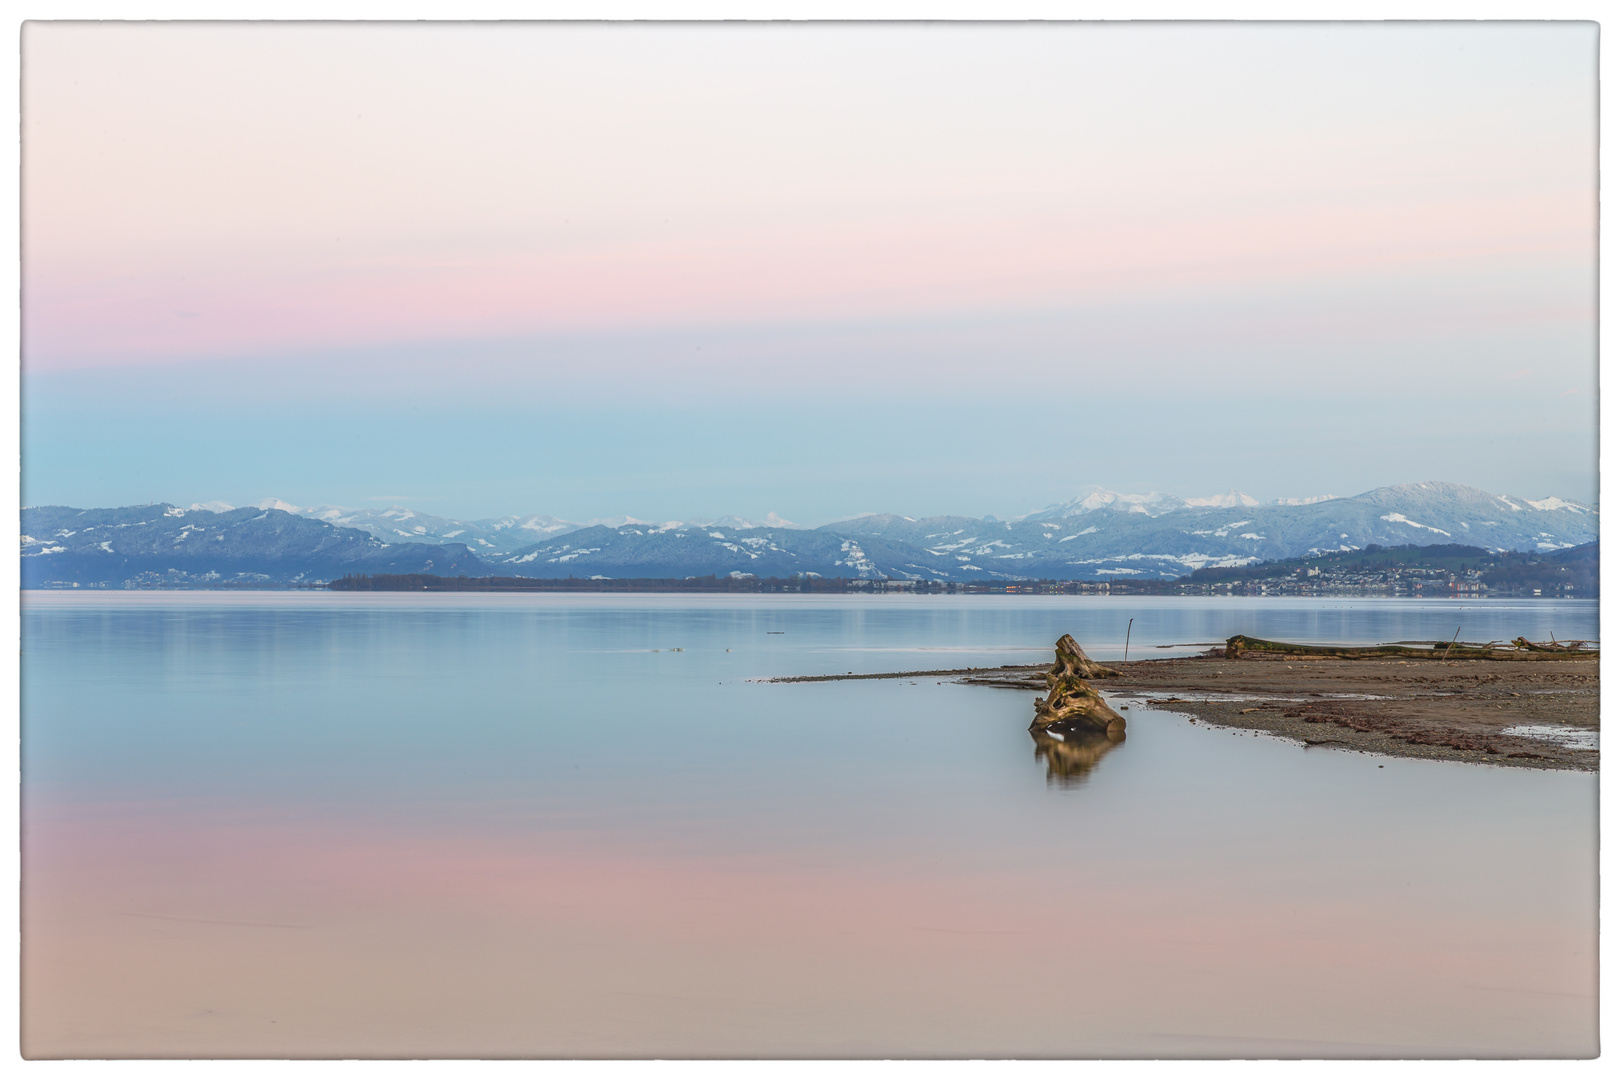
310	824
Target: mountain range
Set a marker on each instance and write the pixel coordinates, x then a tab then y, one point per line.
162	544
1098	534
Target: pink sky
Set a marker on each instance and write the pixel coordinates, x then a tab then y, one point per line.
202	191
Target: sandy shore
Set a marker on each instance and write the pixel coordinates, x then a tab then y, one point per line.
1457	710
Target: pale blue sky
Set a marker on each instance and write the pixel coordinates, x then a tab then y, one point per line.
677	272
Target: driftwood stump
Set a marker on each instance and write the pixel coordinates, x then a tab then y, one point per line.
1071	703
1073	663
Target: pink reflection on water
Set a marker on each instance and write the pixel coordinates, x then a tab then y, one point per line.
148	932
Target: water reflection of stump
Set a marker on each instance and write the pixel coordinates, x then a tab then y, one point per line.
1071	755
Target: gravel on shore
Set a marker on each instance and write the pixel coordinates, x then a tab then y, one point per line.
1528	713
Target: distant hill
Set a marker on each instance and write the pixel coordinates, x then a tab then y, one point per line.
160	544
485	537
1100	535
656	551
1103	534
1570	572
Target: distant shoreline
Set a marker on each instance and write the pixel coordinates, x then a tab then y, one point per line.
813	584
714	584
857	587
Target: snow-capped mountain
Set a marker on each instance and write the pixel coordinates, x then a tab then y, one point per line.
1100	534
732	521
490	538
496	534
1227	501
399	525
678	550
1104	534
63	545
622	520
494	538
1096	499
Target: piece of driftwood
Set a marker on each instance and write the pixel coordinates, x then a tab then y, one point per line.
1554	646
1071	703
1073	663
1241	645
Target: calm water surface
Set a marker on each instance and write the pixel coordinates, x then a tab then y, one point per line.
310	824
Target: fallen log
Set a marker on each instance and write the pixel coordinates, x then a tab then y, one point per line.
1553	647
1241	645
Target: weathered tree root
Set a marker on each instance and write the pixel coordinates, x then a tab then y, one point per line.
1240	645
1072	662
1554	647
1071	703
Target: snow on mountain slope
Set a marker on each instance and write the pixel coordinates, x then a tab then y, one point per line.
679	550
496	537
1097	535
490	537
1094	499
1226	501
732	521
64	546
1102	534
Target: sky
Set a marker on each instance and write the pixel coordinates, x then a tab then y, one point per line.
678	271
